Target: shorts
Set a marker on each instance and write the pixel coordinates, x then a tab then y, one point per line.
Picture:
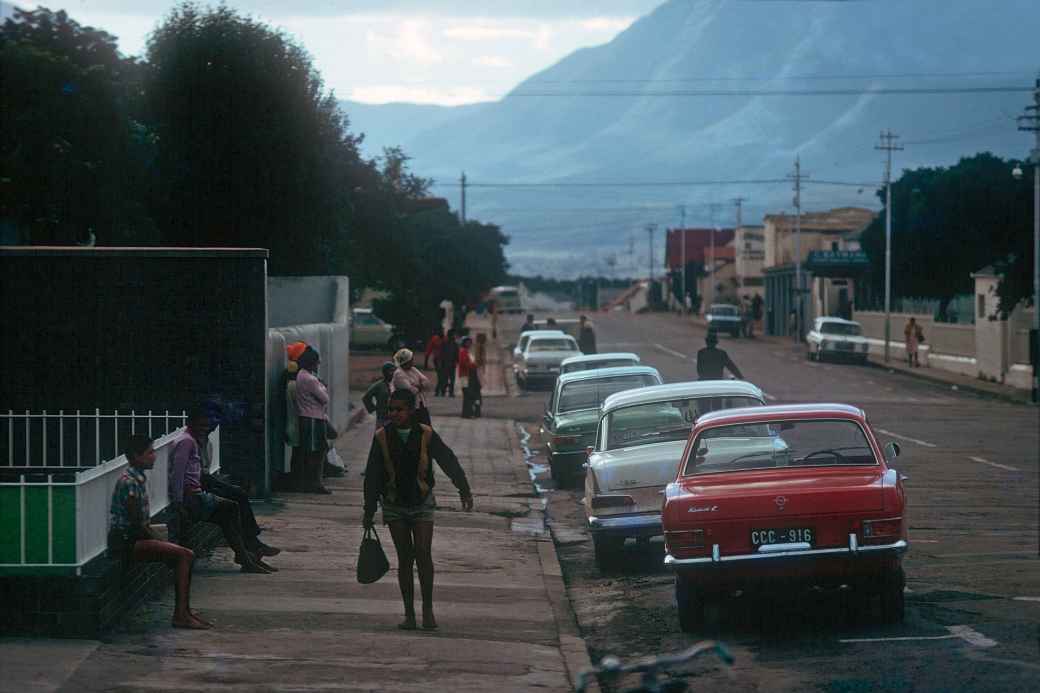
410	514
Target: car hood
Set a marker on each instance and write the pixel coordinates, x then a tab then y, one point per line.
652	465
722	318
852	339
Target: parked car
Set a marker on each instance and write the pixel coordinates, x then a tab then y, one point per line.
539	362
587	362
572	413
724	317
571	326
837	338
368	331
639	441
781	497
525	337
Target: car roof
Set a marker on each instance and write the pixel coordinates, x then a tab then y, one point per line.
696	388
362	310
782	411
588	358
843	321
722	305
543	333
607	373
551	334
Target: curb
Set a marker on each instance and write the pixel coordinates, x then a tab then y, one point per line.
962	387
572	647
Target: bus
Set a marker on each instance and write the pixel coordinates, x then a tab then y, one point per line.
507	299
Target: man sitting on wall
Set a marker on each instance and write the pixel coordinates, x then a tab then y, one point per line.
195	504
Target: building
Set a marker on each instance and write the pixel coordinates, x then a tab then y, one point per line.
698	241
833	265
749	255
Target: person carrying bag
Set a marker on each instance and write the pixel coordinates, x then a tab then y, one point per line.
372	563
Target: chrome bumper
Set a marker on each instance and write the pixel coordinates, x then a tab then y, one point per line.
770	552
627	525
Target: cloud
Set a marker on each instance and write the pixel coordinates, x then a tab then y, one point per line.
410	93
609	24
490	32
496	61
409	43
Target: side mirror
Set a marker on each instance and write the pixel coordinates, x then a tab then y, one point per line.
892	451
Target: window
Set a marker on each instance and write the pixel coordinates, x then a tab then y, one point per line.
552	345
851	329
589	394
660	422
834	246
813	443
981	313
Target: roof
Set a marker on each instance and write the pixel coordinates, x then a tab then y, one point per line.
600	373
610	356
128	251
842	321
780	411
695	388
696	242
837	220
544	333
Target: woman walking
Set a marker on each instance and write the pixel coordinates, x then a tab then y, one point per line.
130	536
408	377
469	375
312	408
399	476
913	335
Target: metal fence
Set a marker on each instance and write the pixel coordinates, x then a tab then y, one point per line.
69	440
960	310
55	522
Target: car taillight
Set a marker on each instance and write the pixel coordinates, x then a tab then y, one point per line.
882	531
612	501
557	441
684	541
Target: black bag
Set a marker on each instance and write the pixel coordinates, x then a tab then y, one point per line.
371	563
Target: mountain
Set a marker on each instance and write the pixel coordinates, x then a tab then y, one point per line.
393	124
624	111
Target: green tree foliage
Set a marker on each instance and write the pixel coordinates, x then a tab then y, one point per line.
950	222
73	158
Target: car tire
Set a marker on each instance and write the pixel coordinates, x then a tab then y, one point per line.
608	551
689	603
892	596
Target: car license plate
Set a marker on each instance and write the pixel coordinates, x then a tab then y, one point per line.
787	535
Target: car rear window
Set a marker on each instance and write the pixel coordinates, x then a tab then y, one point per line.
589	394
724	310
659	422
840	328
552	345
799	443
592	365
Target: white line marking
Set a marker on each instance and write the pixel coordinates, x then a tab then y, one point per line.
1026	599
912	440
965	633
671	351
926	541
982	460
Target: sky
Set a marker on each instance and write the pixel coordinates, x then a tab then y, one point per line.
446	52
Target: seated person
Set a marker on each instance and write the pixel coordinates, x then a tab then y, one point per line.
130	536
198	505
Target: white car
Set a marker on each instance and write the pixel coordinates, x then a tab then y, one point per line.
525	337
539	362
368	331
640	438
587	362
838	338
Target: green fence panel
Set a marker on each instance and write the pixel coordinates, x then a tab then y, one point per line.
37	532
10	524
64	524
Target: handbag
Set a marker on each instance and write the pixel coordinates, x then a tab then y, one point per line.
372	563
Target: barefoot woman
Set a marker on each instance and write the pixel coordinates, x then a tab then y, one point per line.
400	476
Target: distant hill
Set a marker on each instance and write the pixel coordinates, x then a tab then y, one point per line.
561	125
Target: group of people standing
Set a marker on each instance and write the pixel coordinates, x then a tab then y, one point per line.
458	361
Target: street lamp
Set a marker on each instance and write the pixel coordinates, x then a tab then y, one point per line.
1030	122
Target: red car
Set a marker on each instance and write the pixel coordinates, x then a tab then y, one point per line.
783	497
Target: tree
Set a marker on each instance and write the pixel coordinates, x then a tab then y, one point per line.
73	157
950	222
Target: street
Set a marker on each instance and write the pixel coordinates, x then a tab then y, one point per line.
973	575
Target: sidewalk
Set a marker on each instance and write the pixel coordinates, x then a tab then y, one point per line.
937	376
505	624
494	378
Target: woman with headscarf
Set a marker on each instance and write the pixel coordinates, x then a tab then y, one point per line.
312	408
408	377
293	479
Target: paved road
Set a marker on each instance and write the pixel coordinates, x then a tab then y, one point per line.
973	616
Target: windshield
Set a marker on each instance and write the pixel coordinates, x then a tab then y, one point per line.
723	310
658	422
780	444
552	345
589	394
593	365
840	328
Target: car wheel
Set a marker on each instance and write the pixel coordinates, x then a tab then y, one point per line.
892	596
608	550
690	604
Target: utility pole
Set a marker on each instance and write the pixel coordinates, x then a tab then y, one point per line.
739	203
463	183
711	275
888	146
682	232
797	178
1030	122
650	228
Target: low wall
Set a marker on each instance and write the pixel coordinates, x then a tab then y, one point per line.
950	347
953	339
